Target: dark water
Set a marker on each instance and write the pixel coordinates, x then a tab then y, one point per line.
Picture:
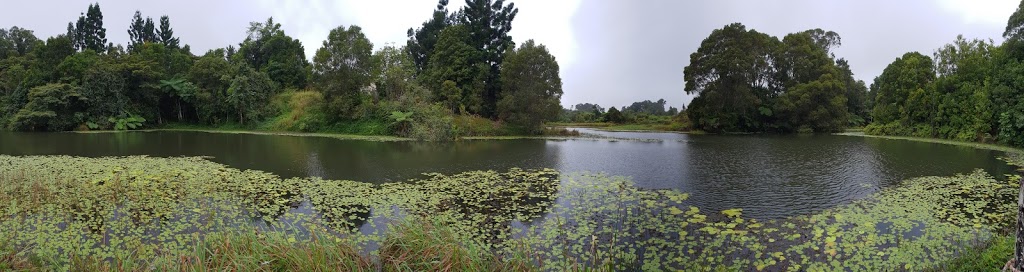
769	176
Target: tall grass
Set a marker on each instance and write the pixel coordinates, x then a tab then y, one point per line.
410	245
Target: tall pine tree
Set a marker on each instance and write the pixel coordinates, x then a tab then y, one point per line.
88	31
166	34
489	22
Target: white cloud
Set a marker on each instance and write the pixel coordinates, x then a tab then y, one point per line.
992	12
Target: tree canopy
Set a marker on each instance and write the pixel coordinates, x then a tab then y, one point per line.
532	89
747	81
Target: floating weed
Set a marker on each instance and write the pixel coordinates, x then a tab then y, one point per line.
142	213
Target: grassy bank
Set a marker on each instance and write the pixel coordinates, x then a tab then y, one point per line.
481	132
977	145
375	138
138	213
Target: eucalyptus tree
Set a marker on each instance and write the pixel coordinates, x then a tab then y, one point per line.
532	88
269	50
734	77
342	69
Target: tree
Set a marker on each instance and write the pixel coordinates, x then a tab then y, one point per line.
51	107
249	93
814	99
181	90
88	32
269	50
532	88
818	106
734	77
614	116
488	23
342	69
911	73
857	101
211	75
422	40
139	32
963	90
166	34
647	107
394	73
587	107
17	42
455	60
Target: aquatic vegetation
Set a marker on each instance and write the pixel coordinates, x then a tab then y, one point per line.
136	213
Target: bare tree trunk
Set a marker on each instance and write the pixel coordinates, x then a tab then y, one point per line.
1018	264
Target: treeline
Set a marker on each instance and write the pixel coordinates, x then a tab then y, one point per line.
968	90
637	112
458	70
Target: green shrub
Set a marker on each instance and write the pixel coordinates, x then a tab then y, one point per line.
298	111
473	125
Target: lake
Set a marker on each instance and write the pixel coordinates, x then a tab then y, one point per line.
768	176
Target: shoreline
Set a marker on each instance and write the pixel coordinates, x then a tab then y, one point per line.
995	147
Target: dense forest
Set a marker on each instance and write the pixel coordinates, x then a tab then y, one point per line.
968	90
459	73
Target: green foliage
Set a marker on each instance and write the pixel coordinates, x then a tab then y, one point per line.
212	74
732	101
614	116
490	22
747	81
299	111
159	81
648	107
970	92
474	125
433	122
267	49
455	72
126	123
163	212
342	70
423	39
51	107
991	255
249	93
818	106
88	32
401	121
17	41
532	88
910	74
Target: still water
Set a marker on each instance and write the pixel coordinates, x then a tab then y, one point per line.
768	176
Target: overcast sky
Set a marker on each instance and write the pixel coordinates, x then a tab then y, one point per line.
611	52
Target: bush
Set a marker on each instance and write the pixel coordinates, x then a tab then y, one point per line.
473	125
299	111
51	107
433	123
